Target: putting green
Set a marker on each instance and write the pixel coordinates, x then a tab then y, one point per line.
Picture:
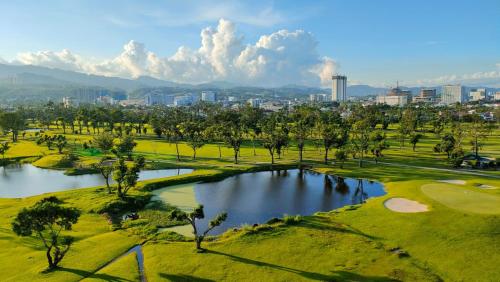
181	196
462	199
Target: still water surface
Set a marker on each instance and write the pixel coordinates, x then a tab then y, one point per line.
23	180
257	197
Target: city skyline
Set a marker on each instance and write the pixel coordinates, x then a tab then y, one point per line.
261	44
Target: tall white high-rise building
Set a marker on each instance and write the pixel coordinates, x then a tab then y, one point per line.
453	94
339	88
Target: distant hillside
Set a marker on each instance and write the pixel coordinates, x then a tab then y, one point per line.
26	82
11	72
364	90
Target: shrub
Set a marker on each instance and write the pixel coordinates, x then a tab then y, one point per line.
291	220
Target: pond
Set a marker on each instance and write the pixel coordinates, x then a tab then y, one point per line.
23	180
251	198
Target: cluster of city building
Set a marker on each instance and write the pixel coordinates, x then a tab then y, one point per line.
448	94
159	98
94	95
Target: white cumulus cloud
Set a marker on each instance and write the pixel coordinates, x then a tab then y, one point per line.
485	77
282	57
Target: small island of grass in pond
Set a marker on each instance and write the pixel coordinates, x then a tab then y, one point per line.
258	197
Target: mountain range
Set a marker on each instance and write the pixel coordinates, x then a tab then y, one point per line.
28	80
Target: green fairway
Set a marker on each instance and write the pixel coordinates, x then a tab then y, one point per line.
456	240
463	199
316	249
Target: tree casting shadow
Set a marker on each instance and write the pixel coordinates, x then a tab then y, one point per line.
88	274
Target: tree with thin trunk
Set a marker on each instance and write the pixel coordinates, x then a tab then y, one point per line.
272	134
61	143
195	215
125	146
332	133
105	169
478	131
47	218
171	120
378	144
341	157
12	122
303	118
194	133
126	176
360	139
231	130
250	117
414	139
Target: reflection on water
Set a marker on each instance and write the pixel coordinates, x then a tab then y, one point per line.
257	197
25	180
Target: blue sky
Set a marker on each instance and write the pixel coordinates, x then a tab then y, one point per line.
373	42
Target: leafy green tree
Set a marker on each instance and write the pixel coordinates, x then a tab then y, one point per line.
341	157
195	215
478	131
104	142
171	121
407	125
447	145
360	139
332	133
194	133
231	130
378	144
275	134
47	139
61	143
4	147
47	218
126	176
125	146
12	122
414	139
106	170
250	120
303	122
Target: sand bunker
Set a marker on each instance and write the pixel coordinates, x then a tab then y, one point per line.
453	181
485	186
405	205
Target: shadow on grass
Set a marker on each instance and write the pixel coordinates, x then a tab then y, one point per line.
334	276
88	274
183	278
325	225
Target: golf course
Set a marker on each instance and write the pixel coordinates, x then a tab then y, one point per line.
404	215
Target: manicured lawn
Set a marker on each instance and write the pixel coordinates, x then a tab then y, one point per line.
318	248
459	198
456	240
23	258
123	269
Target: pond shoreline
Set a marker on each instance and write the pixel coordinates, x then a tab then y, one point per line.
256	197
